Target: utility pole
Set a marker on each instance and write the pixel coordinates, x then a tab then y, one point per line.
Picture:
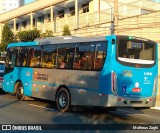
116	16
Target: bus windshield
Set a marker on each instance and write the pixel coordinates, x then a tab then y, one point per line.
136	51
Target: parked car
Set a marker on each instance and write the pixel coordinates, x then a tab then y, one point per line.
2	65
1	78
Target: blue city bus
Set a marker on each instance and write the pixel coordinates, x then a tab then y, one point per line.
106	71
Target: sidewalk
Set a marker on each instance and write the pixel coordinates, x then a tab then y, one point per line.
157	106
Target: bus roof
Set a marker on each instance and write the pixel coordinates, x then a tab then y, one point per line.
68	39
58	40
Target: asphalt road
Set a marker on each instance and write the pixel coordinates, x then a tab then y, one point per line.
45	112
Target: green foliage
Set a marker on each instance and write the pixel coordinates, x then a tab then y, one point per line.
66	31
48	33
7	37
33	34
28	36
22	36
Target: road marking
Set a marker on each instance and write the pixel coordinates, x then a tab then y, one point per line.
145	115
41	107
133	112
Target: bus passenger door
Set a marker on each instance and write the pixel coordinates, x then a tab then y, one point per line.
9	74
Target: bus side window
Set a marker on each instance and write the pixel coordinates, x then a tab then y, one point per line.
99	62
31	58
62	57
49	56
11	57
22	56
35	56
86	56
100	55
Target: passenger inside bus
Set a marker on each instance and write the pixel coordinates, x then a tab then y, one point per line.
99	64
62	64
38	60
76	65
24	61
83	62
33	62
47	61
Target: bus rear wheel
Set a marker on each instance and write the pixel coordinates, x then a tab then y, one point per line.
19	92
63	100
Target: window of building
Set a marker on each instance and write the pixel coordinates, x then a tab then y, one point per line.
145	11
61	14
47	18
85	8
71	11
17	26
41	19
34	22
24	24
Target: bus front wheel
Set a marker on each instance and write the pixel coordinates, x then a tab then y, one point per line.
19	92
63	100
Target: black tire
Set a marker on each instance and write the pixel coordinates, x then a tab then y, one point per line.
63	100
19	92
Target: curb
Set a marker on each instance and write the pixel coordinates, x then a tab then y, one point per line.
157	108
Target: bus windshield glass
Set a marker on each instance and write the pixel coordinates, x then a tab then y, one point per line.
136	51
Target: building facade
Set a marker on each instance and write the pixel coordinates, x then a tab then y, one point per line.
7	5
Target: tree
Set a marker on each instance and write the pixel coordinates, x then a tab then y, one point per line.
66	31
28	36
48	33
22	36
33	34
7	37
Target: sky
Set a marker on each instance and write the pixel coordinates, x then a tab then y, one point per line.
28	1
157	0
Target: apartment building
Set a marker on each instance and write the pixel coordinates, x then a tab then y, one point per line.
8	5
87	17
92	17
